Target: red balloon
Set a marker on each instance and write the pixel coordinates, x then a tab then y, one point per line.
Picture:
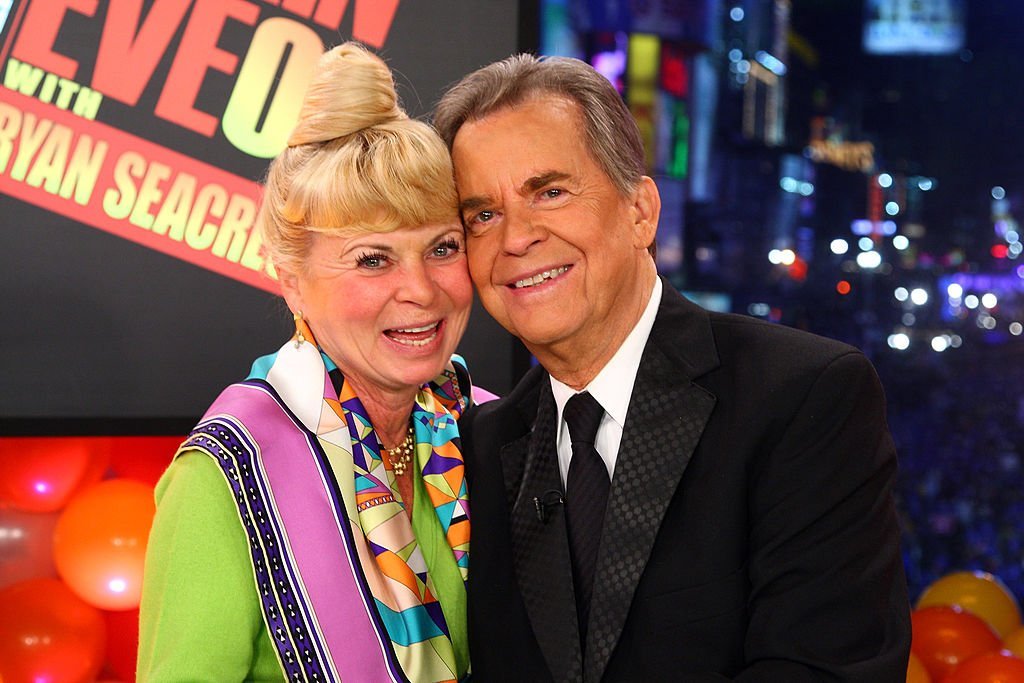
991	667
40	473
122	643
26	545
99	544
48	634
944	637
142	458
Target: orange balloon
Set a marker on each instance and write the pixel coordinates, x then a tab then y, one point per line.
41	473
980	593
991	667
1014	642
99	545
916	673
48	634
943	637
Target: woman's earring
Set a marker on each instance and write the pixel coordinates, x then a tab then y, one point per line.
299	325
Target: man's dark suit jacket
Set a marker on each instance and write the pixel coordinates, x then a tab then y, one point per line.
750	532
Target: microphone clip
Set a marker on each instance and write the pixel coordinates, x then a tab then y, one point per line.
546	500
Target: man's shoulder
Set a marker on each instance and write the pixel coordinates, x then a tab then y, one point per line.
677	312
704	341
731	329
781	360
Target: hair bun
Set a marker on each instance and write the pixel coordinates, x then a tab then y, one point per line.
351	89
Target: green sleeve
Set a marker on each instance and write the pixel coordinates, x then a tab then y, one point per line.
200	618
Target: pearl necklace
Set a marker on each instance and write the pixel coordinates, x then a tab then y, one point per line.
401	455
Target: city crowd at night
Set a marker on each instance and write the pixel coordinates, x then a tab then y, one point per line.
862	179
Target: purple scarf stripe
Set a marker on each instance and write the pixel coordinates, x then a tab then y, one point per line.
299	649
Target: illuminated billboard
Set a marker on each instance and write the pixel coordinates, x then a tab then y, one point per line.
914	26
133	135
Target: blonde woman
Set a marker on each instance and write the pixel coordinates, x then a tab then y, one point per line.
314	525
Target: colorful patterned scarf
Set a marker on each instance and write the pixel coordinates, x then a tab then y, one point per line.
422	599
413	575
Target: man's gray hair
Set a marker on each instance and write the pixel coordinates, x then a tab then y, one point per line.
611	134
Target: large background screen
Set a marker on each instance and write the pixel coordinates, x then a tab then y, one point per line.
133	135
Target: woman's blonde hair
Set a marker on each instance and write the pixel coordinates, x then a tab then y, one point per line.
354	162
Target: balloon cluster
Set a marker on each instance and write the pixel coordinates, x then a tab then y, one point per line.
966	629
75	514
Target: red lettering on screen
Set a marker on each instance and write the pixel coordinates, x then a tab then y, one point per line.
197	54
129	50
132	44
39	32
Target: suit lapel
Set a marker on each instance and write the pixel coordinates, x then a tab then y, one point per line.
540	546
667	414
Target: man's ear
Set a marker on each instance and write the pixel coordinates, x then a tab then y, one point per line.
646	210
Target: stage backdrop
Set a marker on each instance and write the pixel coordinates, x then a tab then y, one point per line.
133	134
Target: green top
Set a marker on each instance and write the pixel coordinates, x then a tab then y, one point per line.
213	630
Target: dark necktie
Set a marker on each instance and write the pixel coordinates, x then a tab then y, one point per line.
586	495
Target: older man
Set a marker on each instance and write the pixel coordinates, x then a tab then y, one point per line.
674	494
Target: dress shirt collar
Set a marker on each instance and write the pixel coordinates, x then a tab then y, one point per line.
613	385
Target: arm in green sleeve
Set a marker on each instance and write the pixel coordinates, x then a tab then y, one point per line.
200	618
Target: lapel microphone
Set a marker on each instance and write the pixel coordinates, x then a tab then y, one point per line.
546	500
